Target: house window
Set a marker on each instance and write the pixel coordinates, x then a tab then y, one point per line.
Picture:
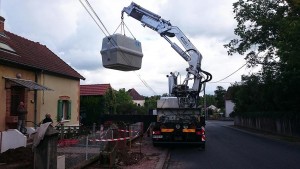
6	48
63	110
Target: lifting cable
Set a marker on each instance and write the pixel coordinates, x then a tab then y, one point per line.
123	26
108	34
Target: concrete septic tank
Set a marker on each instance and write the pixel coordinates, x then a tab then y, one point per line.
120	52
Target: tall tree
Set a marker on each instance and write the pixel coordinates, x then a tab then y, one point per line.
269	34
151	102
209	100
124	103
110	101
220	97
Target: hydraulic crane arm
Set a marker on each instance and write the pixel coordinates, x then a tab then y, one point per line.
190	54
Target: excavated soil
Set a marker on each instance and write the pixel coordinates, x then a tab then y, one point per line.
19	158
141	154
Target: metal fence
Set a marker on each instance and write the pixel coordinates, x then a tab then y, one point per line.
100	142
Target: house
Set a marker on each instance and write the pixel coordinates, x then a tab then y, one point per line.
229	105
32	73
136	97
94	89
92	102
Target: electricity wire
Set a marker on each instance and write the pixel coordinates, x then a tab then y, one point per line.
114	44
230	74
92	17
237	69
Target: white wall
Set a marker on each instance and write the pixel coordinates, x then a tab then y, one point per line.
139	102
12	139
229	105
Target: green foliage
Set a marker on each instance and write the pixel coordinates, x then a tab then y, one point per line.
210	100
151	102
124	103
269	35
93	106
220	97
110	101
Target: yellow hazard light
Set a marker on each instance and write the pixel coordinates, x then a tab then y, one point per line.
189	130
167	130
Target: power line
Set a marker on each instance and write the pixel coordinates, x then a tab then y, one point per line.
230	74
115	43
256	55
92	17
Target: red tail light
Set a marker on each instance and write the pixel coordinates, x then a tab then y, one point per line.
156	132
201	132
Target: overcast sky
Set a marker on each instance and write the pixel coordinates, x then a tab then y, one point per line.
66	28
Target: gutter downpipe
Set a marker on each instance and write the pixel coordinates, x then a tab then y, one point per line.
35	101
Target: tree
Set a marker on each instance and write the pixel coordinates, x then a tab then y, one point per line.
151	102
124	103
209	99
92	107
220	97
110	101
269	35
266	27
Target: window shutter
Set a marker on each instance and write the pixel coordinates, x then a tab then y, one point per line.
59	110
69	109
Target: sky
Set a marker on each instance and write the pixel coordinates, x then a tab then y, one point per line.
67	29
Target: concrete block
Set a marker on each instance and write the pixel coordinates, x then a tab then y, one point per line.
120	52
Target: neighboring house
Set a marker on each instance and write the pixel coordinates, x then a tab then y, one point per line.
32	73
136	97
94	89
229	105
213	108
92	102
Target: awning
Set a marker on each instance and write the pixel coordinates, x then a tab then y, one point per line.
31	85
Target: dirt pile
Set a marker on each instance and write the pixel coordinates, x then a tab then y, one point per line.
129	158
21	158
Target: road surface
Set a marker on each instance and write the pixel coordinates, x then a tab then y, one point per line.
229	148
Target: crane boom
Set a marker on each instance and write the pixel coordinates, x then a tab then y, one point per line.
187	97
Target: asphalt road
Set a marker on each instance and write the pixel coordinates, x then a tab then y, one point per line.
228	148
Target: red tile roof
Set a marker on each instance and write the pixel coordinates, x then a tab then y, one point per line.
135	95
33	55
94	89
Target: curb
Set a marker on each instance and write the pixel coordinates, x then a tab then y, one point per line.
163	160
267	135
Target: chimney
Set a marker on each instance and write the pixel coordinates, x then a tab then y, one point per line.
2	24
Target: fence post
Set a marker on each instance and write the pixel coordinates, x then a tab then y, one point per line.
86	147
45	154
62	131
94	128
130	136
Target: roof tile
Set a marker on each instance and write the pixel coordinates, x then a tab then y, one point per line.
135	95
94	89
34	55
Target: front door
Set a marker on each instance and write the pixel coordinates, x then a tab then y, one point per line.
17	95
